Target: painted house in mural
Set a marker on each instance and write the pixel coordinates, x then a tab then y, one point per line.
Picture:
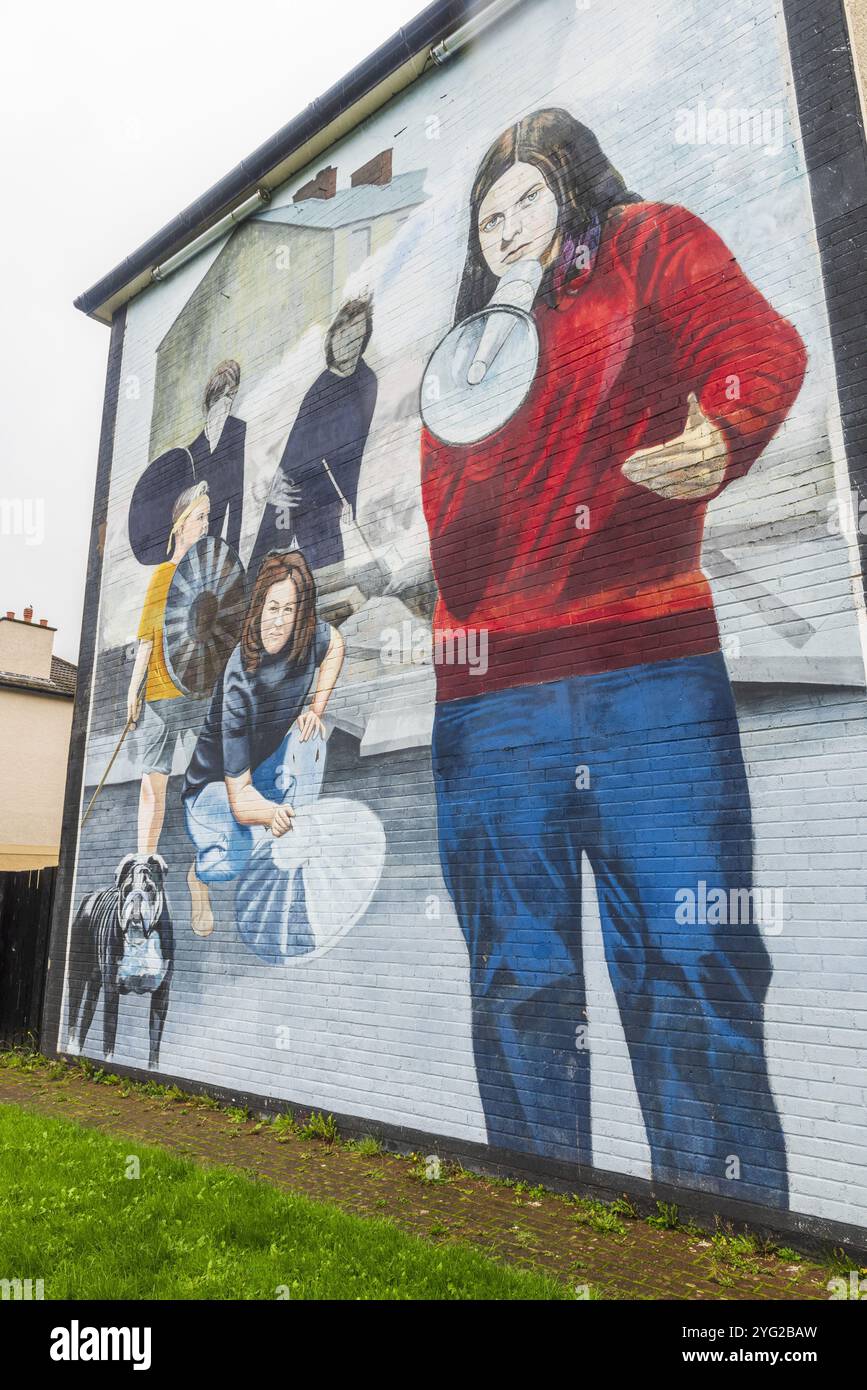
483	588
288	264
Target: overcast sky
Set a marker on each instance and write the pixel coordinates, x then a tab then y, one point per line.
114	118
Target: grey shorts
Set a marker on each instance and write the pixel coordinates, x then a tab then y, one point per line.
165	722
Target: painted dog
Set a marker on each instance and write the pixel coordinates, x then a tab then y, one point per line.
122	942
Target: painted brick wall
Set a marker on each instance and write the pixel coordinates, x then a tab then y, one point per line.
613	924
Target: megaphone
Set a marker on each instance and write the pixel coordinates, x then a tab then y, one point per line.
481	372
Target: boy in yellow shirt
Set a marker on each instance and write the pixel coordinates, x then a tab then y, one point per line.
174	712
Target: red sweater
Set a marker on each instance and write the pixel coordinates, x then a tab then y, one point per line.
666	311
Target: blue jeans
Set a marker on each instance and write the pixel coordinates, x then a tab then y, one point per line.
642	770
292	774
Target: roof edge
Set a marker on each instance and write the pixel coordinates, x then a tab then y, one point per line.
392	58
33	685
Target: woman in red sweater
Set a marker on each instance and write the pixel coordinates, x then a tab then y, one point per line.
603	721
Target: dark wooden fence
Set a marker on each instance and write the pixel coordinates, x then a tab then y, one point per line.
25	920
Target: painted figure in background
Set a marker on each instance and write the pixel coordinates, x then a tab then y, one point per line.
605	723
169	712
311	506
262	747
215	457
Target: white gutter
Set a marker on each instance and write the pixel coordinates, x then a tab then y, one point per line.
469	31
260	198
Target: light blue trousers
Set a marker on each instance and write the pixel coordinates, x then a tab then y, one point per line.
292	776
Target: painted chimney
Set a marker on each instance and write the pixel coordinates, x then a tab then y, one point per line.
376	170
28	615
323	185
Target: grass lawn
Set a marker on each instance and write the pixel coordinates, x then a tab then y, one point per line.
71	1215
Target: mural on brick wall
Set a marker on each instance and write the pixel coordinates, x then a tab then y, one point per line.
471	581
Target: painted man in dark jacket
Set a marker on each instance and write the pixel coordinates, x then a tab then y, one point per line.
308	501
215	457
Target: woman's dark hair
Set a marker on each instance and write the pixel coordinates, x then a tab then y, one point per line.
352	309
277	566
224	381
572	163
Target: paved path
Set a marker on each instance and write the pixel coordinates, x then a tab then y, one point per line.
521	1226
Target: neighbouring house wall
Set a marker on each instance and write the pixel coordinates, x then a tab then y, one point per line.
856	16
578	877
35	730
25	648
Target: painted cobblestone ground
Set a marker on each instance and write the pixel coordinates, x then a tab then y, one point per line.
582	1243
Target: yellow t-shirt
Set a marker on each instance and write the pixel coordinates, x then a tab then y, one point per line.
160	685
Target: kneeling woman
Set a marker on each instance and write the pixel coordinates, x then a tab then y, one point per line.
259	742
